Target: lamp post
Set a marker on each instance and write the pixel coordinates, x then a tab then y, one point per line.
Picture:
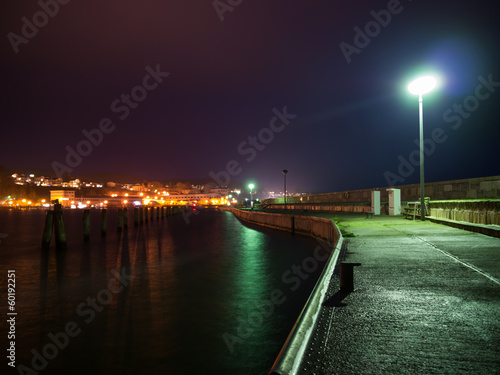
284	176
422	86
251	186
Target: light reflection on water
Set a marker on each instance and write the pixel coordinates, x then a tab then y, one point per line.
191	284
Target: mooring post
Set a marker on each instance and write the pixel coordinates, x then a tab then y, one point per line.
347	276
125	218
292	223
103	222
86	225
146	214
59	227
157	213
136	216
120	220
49	227
141	215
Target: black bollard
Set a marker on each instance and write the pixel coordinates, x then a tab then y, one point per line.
141	215
103	222
86	225
347	276
49	227
157	213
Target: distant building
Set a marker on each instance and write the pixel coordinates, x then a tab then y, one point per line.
139	187
201	199
219	190
65	197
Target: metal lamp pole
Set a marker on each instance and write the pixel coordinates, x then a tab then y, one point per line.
422	184
421	86
284	176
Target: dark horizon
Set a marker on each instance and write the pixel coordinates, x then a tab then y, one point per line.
177	91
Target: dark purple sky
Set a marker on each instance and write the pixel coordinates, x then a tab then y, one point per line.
354	121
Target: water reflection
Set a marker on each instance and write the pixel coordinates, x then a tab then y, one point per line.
186	285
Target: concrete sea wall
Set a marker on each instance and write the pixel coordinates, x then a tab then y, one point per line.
473	200
305	225
291	353
471	188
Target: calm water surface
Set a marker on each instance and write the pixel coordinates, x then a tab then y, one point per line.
194	297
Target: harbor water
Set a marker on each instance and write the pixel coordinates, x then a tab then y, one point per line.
195	293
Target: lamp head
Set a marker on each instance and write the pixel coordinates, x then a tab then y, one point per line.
251	186
422	85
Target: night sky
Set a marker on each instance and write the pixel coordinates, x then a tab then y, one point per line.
325	102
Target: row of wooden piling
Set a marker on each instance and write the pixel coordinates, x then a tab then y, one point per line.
54	221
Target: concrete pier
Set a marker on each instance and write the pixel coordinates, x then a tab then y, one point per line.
426	300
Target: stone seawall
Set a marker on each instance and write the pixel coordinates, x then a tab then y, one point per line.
305	225
471	188
473	200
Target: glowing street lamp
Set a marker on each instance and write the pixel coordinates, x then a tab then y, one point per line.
421	86
251	186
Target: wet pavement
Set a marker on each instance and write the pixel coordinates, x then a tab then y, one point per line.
426	301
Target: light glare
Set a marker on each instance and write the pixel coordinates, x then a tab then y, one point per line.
422	85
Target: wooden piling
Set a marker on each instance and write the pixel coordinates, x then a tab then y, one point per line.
119	227
103	222
86	225
61	242
157	213
136	216
47	232
125	218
